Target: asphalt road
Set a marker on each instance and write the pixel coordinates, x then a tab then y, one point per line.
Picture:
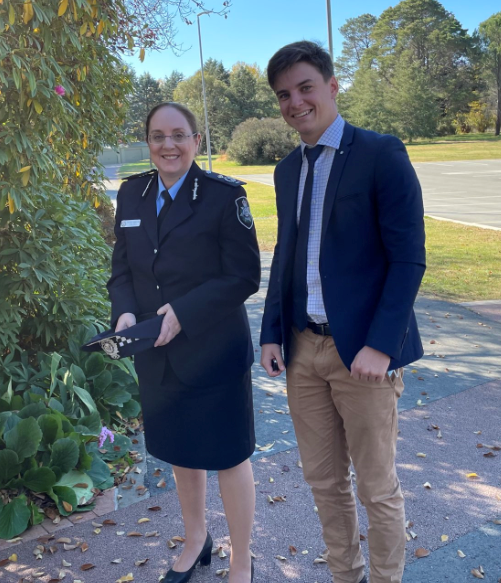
465	191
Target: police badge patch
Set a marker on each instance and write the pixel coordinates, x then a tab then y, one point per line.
244	213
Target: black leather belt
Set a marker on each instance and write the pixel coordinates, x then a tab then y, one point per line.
321	329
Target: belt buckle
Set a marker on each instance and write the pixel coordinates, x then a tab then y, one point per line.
322	328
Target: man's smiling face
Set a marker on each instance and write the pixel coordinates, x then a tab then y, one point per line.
307	101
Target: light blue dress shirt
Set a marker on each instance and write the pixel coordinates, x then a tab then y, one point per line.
173	190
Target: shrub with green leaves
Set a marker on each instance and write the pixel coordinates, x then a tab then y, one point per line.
47	459
262	141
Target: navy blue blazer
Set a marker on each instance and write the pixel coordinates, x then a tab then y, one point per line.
204	262
372	253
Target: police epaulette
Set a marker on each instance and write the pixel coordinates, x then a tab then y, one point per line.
224	179
147	173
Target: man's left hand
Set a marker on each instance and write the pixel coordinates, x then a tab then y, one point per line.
170	326
370	365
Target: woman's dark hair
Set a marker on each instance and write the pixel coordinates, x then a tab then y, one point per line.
300	52
188	115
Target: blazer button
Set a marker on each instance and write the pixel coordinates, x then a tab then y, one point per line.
158	287
155	250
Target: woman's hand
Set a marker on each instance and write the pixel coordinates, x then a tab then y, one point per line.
125	321
170	325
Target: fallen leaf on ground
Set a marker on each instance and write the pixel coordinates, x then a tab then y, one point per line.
412	534
280	558
84	547
476	573
292	550
87	567
152	533
143	520
427	485
444	538
461	554
66	563
420	553
134	533
222	572
420	454
319	560
69	547
472	476
141	562
171	544
154	508
162	483
178	538
221	553
266	447
497	521
116	561
124	579
64	540
96	524
109	522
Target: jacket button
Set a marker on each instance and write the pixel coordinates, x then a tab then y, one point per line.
155	250
158	287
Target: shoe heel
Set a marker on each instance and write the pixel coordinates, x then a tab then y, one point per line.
205	559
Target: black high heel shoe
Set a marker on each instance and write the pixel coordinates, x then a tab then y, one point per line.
204	558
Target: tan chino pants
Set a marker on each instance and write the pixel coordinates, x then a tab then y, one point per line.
339	420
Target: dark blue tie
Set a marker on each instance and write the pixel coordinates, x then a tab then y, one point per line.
165	209
299	287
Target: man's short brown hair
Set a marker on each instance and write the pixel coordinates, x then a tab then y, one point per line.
300	52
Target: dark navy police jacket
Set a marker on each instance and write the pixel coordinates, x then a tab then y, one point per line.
372	254
204	262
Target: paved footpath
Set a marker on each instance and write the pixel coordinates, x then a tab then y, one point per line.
450	407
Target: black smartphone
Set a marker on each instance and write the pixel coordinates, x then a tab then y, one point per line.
274	365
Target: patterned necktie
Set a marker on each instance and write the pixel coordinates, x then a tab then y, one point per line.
299	286
165	209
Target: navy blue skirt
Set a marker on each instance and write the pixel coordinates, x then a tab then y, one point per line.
203	428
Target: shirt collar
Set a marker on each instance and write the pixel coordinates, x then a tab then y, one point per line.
174	189
331	137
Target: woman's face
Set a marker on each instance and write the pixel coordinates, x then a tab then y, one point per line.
172	160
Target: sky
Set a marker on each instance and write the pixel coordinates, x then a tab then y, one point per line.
255	29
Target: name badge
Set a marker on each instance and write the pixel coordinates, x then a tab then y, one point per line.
132	223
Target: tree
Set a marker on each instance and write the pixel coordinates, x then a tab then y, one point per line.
221	109
433	39
217	70
490	35
147	93
357	33
412	106
169	84
243	85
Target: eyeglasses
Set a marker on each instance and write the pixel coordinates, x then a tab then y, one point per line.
177	138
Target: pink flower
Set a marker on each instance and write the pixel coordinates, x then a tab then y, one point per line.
60	90
105	432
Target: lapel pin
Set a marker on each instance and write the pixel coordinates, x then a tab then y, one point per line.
195	188
341	152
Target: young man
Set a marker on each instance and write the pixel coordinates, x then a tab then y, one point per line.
347	266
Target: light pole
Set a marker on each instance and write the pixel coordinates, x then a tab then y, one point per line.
329	29
207	133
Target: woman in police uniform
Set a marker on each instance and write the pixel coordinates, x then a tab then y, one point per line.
186	248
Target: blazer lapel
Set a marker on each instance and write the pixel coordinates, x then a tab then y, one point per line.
181	206
288	202
147	209
335	175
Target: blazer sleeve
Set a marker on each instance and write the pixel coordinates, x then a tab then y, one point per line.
120	286
401	223
207	304
271	328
